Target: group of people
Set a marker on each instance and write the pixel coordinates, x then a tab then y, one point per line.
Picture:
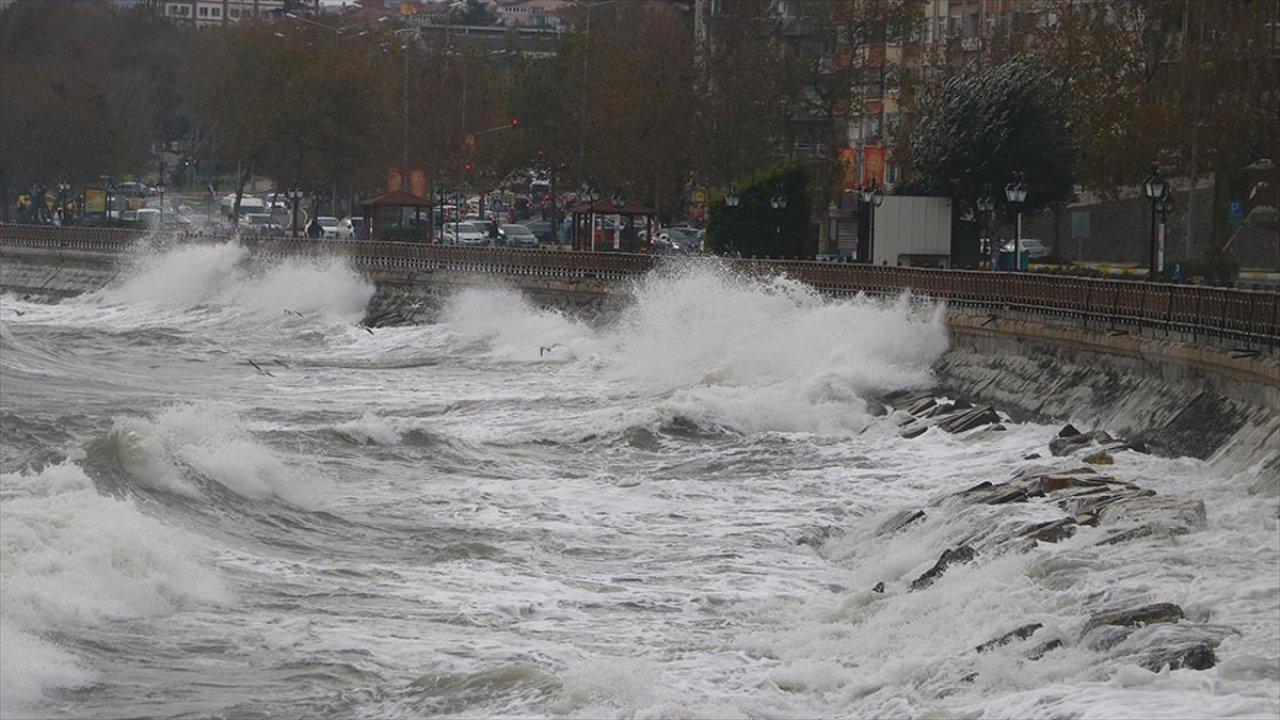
41	207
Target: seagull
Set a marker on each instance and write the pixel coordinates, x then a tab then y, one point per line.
258	367
544	349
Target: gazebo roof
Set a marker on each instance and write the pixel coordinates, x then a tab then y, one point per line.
605	206
396	198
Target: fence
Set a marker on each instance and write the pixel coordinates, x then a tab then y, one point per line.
1243	315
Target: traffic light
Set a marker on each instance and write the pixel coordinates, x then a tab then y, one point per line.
515	121
468	167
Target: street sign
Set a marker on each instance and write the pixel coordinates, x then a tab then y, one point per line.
1235	213
95	204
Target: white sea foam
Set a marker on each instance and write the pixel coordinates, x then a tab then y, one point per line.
221	274
208	439
70	556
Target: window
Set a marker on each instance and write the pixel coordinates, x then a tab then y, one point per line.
204	12
171	10
216	12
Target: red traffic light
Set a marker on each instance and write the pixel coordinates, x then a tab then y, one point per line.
515	121
468	167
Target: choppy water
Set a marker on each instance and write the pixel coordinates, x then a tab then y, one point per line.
671	513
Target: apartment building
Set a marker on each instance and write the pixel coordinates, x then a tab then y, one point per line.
205	13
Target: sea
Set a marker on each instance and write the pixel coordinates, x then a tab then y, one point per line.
224	496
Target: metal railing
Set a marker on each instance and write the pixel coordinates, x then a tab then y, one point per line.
1121	305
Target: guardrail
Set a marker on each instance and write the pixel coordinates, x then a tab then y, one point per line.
1244	315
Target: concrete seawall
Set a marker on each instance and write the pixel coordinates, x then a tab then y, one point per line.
1195	398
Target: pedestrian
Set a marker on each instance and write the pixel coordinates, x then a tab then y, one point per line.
314	230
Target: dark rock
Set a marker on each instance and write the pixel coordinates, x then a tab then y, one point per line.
877	410
969	419
1044	648
1067	445
1019	633
939	409
997	428
913	430
1138	446
1142	531
1144	615
1032	456
956	556
1101	437
1100	458
1068	430
879	588
962	404
921	405
1052	531
1198	656
899	520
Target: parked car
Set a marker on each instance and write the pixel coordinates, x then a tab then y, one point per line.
328	227
132	189
466	233
517	236
683	239
542	230
148	216
1032	249
261	224
350	228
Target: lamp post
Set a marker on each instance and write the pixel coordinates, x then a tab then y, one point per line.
986	206
593	196
63	187
111	196
873	197
160	187
1164	205
731	197
458	199
294	194
1154	186
1016	193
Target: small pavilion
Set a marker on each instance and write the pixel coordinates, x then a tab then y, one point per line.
384	216
623	238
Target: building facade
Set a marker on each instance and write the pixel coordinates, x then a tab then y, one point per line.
205	13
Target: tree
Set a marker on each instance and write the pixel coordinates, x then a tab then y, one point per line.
756	229
976	128
471	12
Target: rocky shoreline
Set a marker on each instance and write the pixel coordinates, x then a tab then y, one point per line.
1053	502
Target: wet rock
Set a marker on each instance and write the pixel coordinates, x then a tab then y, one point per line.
1032	456
879	588
1052	531
914	430
1129	617
1019	633
1138	446
962	404
1100	458
899	520
955	556
1142	531
1197	656
1101	437
939	409
877	410
1066	445
1179	515
920	406
1068	430
997	428
1044	648
1087	506
969	419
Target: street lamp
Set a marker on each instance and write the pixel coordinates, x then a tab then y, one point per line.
1164	205
1155	188
778	201
618	199
111	196
458	199
294	193
986	205
160	189
1016	193
63	187
592	192
731	197
872	197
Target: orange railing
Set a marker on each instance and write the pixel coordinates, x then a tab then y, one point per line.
1248	315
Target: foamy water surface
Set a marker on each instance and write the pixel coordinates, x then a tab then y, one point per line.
670	513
